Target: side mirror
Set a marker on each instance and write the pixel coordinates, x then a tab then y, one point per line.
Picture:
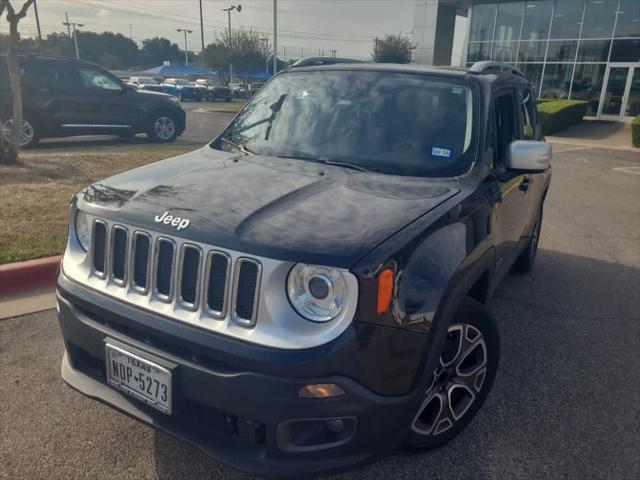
529	155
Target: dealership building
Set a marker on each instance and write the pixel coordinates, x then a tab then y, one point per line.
576	49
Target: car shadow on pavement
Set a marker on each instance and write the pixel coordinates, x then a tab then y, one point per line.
570	333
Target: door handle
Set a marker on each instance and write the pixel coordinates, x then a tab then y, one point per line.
524	185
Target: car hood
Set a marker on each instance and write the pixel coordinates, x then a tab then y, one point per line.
280	208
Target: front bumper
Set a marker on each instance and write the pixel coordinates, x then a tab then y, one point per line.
236	414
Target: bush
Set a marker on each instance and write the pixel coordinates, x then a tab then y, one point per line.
635	131
556	115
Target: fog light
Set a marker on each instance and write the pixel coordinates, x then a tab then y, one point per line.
335	425
321	390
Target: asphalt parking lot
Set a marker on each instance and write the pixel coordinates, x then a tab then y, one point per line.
564	404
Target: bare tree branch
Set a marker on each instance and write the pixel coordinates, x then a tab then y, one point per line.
23	11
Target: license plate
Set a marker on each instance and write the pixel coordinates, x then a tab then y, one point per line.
144	380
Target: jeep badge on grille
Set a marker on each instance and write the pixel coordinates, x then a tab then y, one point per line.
179	223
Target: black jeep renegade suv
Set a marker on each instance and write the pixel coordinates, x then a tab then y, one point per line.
310	290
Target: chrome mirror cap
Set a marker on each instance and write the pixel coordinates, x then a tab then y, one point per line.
529	155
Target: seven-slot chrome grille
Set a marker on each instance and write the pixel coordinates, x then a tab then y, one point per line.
175	271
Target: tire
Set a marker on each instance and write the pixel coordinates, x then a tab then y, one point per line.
30	131
162	127
180	97
524	263
462	380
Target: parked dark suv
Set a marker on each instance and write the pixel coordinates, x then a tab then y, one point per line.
64	97
310	290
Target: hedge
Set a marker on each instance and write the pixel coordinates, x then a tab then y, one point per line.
557	115
635	131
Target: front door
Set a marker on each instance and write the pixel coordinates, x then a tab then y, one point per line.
620	96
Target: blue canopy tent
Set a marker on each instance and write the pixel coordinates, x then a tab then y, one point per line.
180	71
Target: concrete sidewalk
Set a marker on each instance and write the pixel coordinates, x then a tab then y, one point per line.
595	132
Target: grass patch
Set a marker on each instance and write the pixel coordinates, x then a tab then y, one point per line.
36	193
225	107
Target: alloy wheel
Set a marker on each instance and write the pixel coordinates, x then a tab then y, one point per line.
456	383
26	135
164	128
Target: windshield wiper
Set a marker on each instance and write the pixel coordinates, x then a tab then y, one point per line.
353	166
325	161
239	146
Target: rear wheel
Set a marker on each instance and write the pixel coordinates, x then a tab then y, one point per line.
29	136
162	127
461	381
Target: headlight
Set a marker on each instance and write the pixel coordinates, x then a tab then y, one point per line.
317	293
83	230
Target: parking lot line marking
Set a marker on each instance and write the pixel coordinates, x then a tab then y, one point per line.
632	170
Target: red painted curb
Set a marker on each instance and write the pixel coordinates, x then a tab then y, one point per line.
22	277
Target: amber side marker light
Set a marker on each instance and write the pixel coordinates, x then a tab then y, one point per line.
385	289
321	390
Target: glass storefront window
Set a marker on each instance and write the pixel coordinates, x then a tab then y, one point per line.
628	24
562	51
483	17
557	77
566	19
508	21
479	51
633	104
625	51
532	51
505	52
537	15
599	18
533	72
587	84
593	50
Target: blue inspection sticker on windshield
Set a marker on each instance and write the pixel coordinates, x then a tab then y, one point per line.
441	152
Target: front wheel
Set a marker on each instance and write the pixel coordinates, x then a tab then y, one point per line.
162	128
461	381
29	136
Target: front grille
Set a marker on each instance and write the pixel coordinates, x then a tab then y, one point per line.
177	272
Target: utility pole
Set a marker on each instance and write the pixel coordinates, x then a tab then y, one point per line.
333	53
275	36
35	8
73	26
131	31
186	46
67	24
201	35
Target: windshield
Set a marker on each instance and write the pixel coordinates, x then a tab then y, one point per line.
397	123
180	81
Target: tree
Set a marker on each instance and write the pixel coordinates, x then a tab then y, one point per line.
158	49
10	155
392	49
243	48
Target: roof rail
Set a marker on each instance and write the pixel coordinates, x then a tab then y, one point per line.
487	66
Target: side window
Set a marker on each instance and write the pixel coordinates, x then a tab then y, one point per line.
96	79
505	126
528	113
45	74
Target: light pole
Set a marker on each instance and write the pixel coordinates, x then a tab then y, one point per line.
202	35
228	10
75	35
275	36
266	54
186	47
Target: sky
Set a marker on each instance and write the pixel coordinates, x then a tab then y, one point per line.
347	26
